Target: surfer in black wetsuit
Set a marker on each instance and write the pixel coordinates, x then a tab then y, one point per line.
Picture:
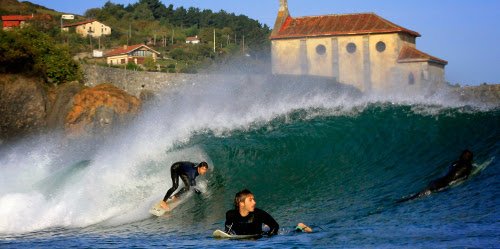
188	172
458	171
245	219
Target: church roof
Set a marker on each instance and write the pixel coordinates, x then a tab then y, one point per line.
411	54
332	25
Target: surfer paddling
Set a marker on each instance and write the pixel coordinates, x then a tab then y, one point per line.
459	170
188	172
246	219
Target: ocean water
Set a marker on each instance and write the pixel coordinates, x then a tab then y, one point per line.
311	153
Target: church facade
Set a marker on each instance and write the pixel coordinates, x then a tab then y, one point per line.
363	50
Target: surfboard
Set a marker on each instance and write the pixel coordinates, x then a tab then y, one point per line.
219	234
157	210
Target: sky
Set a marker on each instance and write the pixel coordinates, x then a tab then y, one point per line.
466	33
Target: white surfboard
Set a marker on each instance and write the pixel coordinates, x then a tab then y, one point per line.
219	234
157	210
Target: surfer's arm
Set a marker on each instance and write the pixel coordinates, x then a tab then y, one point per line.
269	221
304	228
229	222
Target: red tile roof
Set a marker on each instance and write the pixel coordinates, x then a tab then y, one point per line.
127	49
330	25
78	23
192	38
16	18
411	54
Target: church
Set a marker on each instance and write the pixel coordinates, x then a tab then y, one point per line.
363	50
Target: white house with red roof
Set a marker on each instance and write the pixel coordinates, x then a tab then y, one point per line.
363	50
134	53
192	40
90	27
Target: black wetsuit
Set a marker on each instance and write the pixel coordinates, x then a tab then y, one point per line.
459	170
187	171
250	224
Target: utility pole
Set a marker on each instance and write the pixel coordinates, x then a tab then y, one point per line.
173	32
214	40
243	47
90	39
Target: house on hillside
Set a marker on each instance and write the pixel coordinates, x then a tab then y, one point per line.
363	50
13	21
192	40
89	27
134	53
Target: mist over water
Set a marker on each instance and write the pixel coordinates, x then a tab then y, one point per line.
311	151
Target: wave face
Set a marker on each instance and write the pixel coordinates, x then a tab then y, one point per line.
310	152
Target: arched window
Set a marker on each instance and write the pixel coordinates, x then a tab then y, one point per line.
321	49
411	79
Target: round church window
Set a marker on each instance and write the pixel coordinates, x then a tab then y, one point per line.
380	46
351	47
321	49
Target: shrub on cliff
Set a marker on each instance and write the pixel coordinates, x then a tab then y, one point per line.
32	52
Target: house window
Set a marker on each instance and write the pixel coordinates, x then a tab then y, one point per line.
380	46
351	47
123	61
321	49
411	79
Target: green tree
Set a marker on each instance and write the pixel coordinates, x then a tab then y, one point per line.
156	7
142	12
30	51
150	64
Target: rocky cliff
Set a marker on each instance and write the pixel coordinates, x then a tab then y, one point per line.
98	109
23	106
28	106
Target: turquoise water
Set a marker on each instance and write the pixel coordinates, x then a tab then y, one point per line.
309	153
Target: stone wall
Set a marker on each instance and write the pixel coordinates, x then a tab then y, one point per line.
143	84
134	82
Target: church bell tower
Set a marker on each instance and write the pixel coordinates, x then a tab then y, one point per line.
283	14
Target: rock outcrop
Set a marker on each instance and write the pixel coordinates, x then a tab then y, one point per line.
28	106
23	106
96	110
489	94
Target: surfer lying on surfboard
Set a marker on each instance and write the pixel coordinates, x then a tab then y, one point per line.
458	171
188	172
246	219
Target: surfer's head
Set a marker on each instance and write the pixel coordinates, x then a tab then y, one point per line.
202	168
466	156
244	201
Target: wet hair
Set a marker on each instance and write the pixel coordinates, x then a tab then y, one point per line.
240	197
203	164
466	156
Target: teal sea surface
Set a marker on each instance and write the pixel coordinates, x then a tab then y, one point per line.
310	153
